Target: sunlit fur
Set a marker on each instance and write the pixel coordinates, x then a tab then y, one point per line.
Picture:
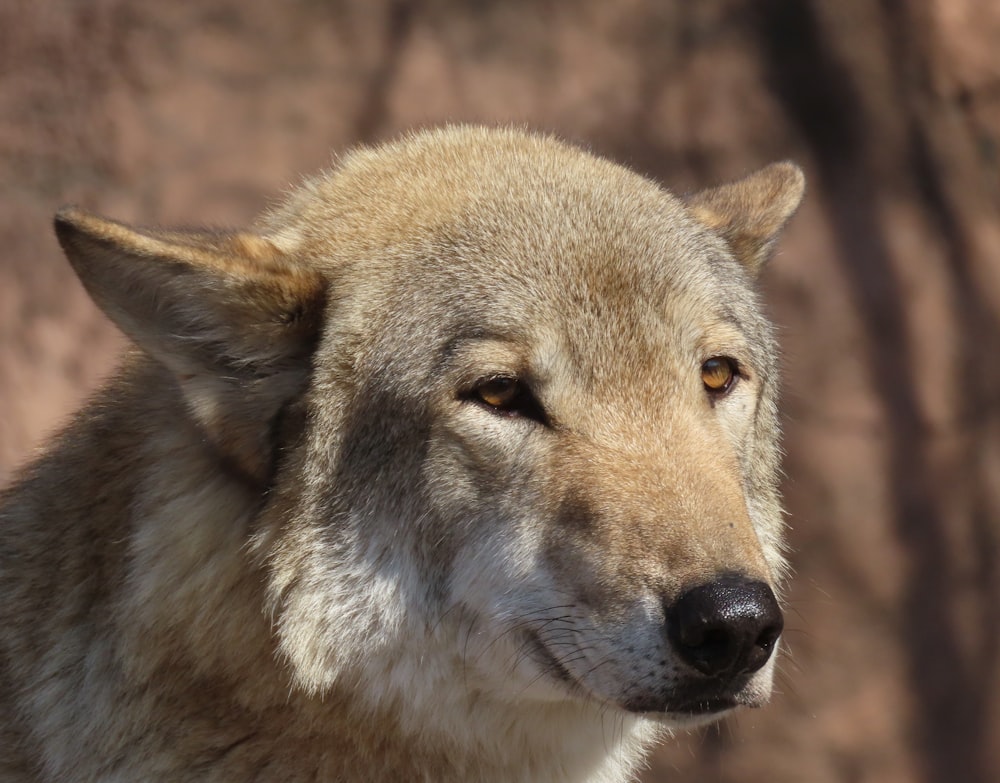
285	542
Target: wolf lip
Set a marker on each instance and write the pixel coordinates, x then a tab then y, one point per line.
705	706
684	705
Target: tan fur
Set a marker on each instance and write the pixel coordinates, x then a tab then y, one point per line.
287	542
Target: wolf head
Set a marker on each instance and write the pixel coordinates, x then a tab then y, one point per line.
510	409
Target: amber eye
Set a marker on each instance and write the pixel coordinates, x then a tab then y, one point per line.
507	396
718	374
498	392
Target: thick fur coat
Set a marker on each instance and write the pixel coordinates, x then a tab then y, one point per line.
414	480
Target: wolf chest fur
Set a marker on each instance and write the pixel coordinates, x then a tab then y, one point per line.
458	465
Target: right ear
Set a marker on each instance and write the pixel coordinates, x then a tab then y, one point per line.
233	318
749	213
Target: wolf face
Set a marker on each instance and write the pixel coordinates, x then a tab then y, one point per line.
555	433
502	417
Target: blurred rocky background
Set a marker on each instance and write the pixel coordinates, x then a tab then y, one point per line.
886	287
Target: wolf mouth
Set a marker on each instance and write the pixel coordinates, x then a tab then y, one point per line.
685	704
687	707
708	706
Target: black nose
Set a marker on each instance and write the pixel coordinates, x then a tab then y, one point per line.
728	626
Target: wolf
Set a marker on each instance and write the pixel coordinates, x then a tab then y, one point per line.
459	465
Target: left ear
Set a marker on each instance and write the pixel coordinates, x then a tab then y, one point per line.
233	320
750	213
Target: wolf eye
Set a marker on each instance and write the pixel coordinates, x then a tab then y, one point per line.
499	392
507	396
718	374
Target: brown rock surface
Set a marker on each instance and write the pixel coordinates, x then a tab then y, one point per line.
887	286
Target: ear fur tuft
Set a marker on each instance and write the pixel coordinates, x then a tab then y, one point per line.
233	319
750	213
197	301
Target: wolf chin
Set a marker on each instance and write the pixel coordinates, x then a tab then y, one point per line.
459	465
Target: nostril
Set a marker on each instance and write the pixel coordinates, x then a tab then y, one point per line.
729	626
769	636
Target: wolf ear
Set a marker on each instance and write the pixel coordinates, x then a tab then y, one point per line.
750	213
233	319
196	301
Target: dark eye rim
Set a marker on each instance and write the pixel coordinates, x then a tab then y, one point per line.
735	374
522	404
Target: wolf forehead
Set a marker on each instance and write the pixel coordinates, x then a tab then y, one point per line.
501	225
440	183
